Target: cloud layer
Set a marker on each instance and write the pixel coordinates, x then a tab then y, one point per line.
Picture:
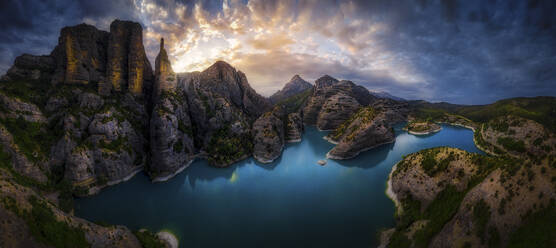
470	52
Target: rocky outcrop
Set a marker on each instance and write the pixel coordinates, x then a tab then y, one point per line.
325	81
336	110
116	60
269	135
15	108
222	108
366	129
422	128
80	55
294	128
295	86
171	128
31	67
165	78
333	102
128	68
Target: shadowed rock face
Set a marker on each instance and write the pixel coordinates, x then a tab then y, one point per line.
269	134
294	86
325	81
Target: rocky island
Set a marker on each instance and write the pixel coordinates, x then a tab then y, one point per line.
422	128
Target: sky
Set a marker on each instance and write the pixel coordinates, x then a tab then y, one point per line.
465	52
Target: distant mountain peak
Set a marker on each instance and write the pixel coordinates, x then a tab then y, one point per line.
325	81
384	94
296	85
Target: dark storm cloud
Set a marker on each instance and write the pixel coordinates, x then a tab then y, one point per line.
472	51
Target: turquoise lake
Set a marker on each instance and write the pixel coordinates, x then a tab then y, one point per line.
292	202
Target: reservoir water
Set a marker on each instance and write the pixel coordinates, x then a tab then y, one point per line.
292	202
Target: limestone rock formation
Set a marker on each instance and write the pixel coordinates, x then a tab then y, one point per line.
333	102
127	66
325	81
222	108
294	128
31	67
269	135
80	55
295	86
165	78
366	129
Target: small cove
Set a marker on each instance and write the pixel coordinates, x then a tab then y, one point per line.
292	202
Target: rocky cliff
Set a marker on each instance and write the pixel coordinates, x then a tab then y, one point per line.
364	130
269	135
333	102
295	86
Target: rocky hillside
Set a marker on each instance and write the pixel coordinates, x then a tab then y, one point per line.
295	86
333	102
364	130
451	198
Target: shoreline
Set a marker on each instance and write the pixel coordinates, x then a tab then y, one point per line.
330	140
390	192
96	189
329	156
166	178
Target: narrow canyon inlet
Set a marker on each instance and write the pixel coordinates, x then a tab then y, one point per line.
292	202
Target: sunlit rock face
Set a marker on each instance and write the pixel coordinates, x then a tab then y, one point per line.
127	66
333	102
80	55
116	61
165	78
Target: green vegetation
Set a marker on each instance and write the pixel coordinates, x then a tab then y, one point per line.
32	138
447	202
537	229
44	226
364	115
539	109
32	91
481	216
148	239
178	146
225	148
511	145
118	145
295	102
440	211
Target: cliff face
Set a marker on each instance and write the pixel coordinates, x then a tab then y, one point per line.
295	86
269	135
334	102
366	129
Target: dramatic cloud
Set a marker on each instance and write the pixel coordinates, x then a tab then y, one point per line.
471	52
